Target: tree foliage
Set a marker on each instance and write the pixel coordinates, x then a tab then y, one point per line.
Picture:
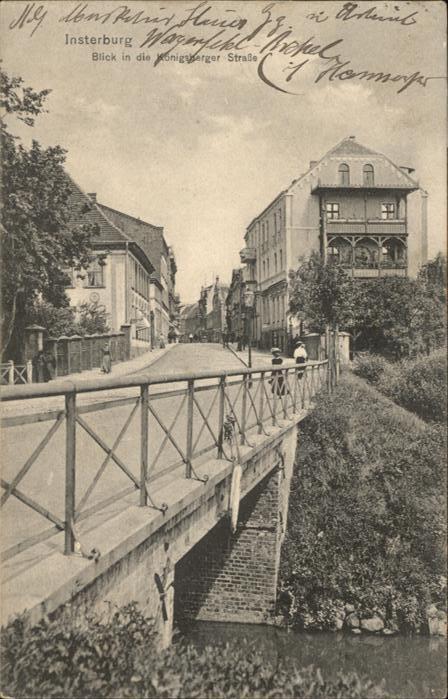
322	294
87	319
395	316
38	241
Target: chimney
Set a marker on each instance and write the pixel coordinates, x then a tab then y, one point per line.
92	195
352	138
312	163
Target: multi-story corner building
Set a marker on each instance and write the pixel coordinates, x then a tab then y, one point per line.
162	284
353	205
120	272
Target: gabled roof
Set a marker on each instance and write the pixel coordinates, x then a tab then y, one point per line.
84	210
349	146
142	232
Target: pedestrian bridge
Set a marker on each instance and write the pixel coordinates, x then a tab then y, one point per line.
170	490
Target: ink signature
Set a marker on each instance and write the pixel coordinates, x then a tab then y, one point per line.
218	30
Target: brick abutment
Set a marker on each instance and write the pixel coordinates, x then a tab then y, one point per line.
233	577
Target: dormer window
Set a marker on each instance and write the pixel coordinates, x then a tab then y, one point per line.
368	175
344	174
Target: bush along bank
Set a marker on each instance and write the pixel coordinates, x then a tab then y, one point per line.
118	658
365	543
419	385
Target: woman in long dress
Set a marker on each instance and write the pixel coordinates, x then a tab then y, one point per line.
277	379
106	366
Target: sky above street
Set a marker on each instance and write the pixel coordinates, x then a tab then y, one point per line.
201	148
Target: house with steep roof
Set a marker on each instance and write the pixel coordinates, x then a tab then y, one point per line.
354	205
151	239
120	272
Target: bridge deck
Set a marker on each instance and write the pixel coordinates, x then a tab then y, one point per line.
93	454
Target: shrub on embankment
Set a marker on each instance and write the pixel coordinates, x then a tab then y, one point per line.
419	385
118	658
366	524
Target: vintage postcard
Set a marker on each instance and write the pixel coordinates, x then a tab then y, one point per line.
223	333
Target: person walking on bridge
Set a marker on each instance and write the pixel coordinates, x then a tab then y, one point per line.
277	379
301	357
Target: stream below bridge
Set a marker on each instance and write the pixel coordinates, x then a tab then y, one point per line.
413	667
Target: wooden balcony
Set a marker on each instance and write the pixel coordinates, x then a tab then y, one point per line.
248	255
406	186
362	227
375	272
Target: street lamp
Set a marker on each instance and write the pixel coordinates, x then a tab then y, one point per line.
249	301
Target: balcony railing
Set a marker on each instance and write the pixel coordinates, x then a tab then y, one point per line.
363	227
159	426
248	255
375	271
405	185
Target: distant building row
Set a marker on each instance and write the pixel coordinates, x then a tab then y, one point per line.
205	320
131	274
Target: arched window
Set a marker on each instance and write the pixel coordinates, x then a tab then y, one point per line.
340	251
344	174
366	254
393	253
368	175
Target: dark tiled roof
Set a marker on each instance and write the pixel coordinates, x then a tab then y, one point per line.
84	210
149	237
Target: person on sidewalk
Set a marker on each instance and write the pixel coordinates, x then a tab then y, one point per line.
106	366
300	357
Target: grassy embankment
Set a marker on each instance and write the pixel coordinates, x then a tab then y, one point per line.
366	531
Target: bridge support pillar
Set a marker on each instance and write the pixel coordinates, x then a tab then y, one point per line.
233	577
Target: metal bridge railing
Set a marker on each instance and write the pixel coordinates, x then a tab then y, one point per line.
181	418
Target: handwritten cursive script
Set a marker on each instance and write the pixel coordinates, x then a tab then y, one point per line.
32	14
217	29
349	11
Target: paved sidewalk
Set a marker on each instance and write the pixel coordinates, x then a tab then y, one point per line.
130	366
